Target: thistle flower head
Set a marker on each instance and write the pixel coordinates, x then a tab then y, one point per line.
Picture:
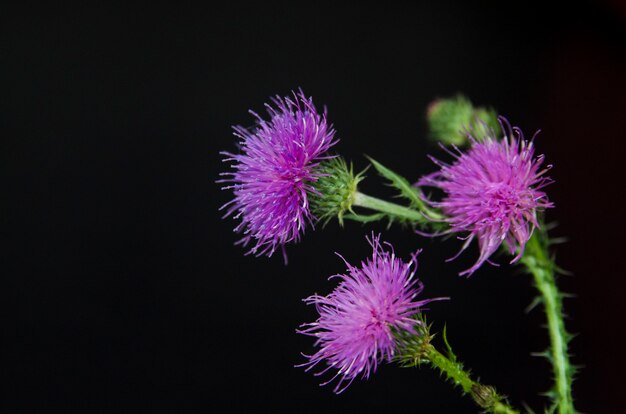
493	192
358	320
274	170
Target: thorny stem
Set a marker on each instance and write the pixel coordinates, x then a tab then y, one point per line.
483	395
539	264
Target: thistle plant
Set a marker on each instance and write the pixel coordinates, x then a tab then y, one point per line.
493	193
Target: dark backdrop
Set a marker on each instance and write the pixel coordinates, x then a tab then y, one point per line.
123	290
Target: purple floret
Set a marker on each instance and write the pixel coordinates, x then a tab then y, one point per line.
274	171
493	192
355	329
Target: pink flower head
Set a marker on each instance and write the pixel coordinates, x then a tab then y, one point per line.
274	171
493	191
355	329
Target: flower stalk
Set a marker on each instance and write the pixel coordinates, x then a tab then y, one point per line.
417	349
394	211
540	265
485	396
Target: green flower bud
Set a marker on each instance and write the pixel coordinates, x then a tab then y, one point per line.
484	123
450	120
334	190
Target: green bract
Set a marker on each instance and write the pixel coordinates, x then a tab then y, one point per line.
334	191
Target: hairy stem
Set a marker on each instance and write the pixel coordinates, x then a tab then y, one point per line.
483	395
539	264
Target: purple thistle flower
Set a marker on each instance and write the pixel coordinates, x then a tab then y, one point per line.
493	191
274	171
355	330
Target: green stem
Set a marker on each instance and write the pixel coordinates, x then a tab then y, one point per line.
390	209
538	262
483	395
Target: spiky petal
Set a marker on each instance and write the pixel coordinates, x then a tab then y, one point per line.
493	192
355	329
274	171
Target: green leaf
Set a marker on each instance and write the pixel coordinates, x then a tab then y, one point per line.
402	184
451	355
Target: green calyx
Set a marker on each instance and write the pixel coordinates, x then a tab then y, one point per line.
450	121
335	190
413	348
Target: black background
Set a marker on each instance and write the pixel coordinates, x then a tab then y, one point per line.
123	290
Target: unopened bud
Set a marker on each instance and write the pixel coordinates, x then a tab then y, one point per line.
450	121
484	395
